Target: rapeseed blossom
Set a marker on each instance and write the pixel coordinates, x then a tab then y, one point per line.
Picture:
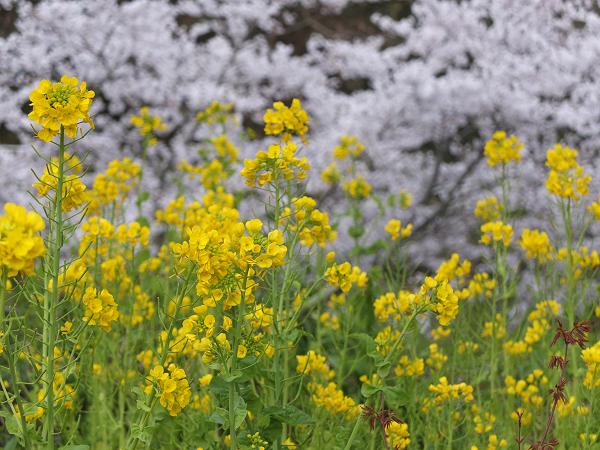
20	243
60	104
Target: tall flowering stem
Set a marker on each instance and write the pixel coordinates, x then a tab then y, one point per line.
51	270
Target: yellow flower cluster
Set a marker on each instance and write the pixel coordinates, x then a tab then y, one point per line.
591	358
311	223
133	234
496	329
537	245
60	104
398	435
502	149
488	209
147	125
278	162
99	308
141	310
20	243
528	389
441	299
566	178
390	306
286	120
494	443
484	422
453	268
539	324
73	189
113	185
333	400
410	367
498	231
171	386
345	275
583	259
349	146
436	358
594	209
358	188
482	284
216	112
443	392
395	230
315	366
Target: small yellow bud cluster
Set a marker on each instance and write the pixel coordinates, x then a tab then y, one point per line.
488	209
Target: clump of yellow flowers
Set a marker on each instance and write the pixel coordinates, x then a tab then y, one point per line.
20	242
65	103
566	179
502	149
148	125
172	386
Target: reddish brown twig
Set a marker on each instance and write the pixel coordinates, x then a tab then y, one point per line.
576	336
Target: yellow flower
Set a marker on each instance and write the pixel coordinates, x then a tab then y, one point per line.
348	146
566	178
488	209
20	243
172	388
398	435
216	112
147	124
536	244
286	120
65	103
496	232
358	188
345	275
99	309
395	230
73	189
315	366
502	149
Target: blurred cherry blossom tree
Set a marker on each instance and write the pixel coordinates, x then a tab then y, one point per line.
422	83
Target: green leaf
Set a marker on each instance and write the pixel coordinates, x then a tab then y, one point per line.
368	390
383	368
241	410
141	405
11	445
13	426
395	395
233	376
75	447
220	416
289	414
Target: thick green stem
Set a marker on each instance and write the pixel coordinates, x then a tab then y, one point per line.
52	269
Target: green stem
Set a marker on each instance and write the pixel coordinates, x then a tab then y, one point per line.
51	298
